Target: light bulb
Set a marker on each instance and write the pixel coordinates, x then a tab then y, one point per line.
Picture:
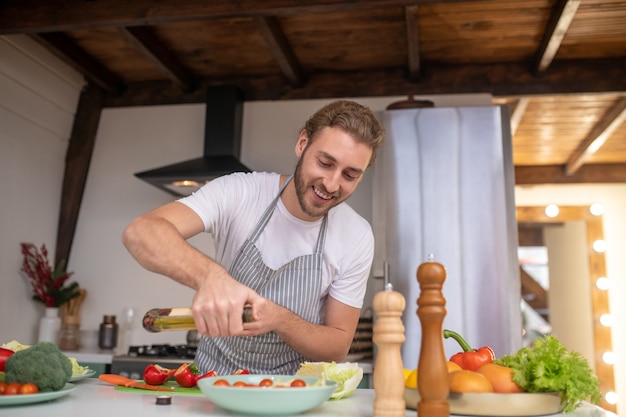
607	320
611	397
599	246
609	358
603	283
596	209
552	210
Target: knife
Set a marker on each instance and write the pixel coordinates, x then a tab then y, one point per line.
130	383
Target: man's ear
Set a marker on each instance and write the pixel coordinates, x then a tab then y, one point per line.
303	140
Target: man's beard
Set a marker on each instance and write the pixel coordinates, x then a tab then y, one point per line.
302	189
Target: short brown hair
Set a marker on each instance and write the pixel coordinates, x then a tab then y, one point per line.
357	120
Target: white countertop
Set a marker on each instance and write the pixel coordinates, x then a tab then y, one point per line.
97	399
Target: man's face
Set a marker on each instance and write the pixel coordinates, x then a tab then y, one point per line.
329	169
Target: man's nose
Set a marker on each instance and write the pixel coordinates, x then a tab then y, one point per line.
332	182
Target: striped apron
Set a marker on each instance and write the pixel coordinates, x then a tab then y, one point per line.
295	286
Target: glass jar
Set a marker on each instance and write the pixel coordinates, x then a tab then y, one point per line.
69	335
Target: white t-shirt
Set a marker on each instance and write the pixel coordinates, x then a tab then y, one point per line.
230	207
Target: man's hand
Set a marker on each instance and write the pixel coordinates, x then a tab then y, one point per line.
219	303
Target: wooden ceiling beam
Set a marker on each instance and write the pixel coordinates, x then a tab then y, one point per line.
36	16
411	17
68	51
504	80
555	174
77	161
144	40
280	49
612	119
519	108
561	18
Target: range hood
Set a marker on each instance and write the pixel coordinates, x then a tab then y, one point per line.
222	146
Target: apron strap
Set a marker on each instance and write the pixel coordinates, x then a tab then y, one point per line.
258	229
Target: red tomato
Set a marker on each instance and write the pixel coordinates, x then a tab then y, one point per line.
29	388
3	387
239	384
298	383
13	388
266	383
221	383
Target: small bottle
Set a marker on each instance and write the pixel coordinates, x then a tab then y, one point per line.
107	338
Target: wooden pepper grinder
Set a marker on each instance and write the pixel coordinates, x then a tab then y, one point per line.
389	337
432	378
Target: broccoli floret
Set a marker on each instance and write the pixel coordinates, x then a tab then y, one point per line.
42	364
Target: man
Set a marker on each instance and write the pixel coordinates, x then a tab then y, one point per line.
286	247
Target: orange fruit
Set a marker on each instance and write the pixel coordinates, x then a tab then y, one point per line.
469	381
501	378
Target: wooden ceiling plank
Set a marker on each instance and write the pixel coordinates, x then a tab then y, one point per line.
518	113
37	16
145	40
77	161
560	20
63	47
555	174
611	120
280	49
411	17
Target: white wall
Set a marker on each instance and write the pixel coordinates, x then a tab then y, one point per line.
38	98
613	197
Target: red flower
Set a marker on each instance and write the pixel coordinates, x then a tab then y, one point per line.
47	284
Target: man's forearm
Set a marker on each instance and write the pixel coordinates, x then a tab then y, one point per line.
318	342
159	247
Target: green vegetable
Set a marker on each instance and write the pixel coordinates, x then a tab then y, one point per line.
42	364
549	367
347	375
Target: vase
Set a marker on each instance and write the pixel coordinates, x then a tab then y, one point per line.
49	325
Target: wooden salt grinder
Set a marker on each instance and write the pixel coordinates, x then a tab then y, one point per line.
389	337
432	378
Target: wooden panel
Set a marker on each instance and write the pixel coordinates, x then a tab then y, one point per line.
117	54
490	31
552	127
348	41
598	30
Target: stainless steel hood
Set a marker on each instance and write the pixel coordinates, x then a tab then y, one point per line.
222	146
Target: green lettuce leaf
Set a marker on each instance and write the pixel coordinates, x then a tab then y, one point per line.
549	367
347	375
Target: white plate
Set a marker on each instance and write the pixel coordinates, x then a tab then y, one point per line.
35	398
495	404
266	401
87	374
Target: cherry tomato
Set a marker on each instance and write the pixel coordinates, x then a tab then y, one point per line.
3	387
266	383
239	384
221	383
297	383
13	388
28	388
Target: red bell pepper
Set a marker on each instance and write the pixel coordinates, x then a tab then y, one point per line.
186	375
4	355
156	374
241	372
470	359
207	375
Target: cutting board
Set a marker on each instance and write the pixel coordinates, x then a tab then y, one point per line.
178	390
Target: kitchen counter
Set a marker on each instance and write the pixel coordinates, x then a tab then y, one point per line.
97	399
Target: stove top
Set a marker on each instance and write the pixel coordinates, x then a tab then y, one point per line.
163	351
